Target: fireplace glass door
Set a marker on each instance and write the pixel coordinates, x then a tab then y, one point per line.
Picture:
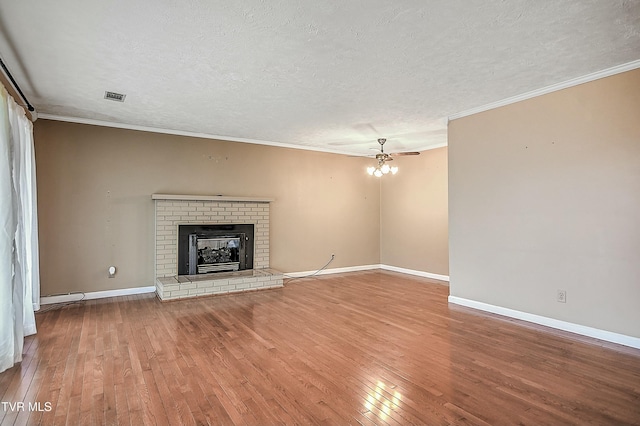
215	254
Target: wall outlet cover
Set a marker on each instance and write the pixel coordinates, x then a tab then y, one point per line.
562	296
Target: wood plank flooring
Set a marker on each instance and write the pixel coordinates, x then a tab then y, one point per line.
369	348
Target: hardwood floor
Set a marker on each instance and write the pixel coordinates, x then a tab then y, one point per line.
365	348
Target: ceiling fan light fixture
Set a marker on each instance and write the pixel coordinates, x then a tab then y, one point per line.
383	168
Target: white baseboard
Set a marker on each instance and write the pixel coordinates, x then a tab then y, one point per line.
331	271
74	297
367	268
415	272
596	333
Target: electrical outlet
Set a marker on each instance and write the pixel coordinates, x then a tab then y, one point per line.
562	296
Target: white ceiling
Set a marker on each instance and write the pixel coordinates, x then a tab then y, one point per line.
330	75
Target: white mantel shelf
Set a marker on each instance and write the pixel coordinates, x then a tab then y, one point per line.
210	198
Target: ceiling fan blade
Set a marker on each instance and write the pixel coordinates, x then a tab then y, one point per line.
397	154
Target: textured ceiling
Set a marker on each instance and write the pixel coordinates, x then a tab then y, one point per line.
329	74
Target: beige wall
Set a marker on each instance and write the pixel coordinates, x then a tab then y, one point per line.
413	214
95	207
544	195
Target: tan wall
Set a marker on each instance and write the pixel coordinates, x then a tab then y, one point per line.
544	195
95	207
413	214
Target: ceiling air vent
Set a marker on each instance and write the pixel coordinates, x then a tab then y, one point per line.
113	96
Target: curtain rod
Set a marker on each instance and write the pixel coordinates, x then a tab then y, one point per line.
15	85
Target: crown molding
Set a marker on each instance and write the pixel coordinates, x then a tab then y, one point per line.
528	95
629	66
127	126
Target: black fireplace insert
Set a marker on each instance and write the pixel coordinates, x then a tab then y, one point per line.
206	249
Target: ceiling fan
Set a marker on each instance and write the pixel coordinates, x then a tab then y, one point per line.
383	168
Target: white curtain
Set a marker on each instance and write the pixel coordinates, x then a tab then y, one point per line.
19	262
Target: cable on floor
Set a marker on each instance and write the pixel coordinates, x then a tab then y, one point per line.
55	306
333	256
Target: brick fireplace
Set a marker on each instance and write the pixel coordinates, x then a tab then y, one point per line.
171	211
